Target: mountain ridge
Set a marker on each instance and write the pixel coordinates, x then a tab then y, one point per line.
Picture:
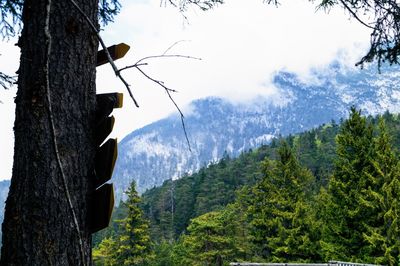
158	152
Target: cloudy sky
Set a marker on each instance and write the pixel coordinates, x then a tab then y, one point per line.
241	44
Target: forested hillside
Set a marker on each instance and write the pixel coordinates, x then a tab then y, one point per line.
322	195
158	152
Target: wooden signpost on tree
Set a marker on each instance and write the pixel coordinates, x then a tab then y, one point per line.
116	52
102	201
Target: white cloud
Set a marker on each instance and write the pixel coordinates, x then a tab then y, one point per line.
242	43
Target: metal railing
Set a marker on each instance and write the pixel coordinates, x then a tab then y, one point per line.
330	263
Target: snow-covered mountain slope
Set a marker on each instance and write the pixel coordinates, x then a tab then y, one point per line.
4	187
159	151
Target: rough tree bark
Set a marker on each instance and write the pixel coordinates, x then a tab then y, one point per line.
55	107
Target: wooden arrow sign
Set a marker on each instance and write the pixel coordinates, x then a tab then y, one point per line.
106	103
105	159
116	52
101	206
104	129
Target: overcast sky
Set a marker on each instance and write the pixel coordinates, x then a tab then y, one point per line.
241	44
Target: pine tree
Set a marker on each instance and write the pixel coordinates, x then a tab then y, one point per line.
279	212
134	244
345	212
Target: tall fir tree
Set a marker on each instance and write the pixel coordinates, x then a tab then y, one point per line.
346	213
104	253
133	246
382	234
279	212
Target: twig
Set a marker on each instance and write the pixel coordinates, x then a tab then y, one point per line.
161	83
110	60
173	45
168	91
139	62
355	15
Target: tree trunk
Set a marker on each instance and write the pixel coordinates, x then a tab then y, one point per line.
46	217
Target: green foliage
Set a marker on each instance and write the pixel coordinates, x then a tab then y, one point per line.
266	205
280	211
114	229
133	245
360	213
344	217
382	235
171	206
163	252
104	254
214	238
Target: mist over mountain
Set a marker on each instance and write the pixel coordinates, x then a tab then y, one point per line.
159	151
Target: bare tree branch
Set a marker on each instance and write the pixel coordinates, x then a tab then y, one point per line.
168	91
355	15
139	62
173	45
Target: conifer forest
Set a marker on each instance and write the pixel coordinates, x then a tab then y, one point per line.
331	193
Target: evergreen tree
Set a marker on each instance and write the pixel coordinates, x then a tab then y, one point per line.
279	211
163	254
345	212
383	233
104	254
206	242
214	238
134	244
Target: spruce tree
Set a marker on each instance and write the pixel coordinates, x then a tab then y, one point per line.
134	244
104	253
346	213
280	211
382	234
